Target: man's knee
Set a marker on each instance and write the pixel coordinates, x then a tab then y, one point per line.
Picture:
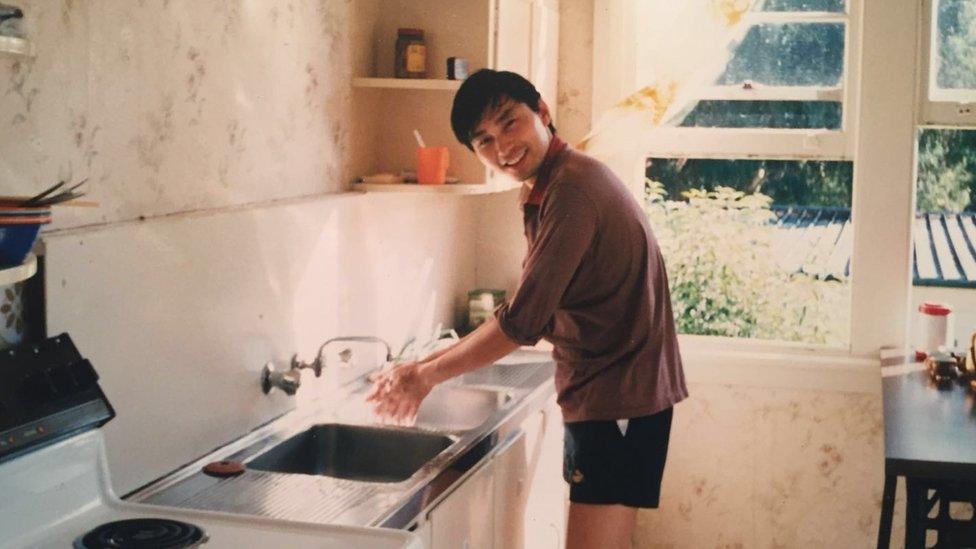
595	525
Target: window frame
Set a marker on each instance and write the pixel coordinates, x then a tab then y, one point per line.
772	143
939	107
877	134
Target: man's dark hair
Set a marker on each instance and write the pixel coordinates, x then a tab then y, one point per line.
484	90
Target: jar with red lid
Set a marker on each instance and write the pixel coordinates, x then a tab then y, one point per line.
411	54
933	329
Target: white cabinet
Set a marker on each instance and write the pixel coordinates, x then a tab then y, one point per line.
514	36
543	68
515	500
527	42
530	494
517	35
464	520
512	471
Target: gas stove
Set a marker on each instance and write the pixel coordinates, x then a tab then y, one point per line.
54	481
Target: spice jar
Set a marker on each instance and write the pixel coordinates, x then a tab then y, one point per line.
411	54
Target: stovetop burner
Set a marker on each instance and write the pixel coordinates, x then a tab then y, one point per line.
142	533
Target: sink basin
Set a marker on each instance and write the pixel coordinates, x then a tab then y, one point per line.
451	408
447	409
353	452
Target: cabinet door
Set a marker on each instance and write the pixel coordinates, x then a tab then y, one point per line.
547	494
464	519
513	36
511	488
423	532
545	50
530	495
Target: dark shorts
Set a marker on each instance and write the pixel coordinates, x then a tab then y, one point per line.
603	466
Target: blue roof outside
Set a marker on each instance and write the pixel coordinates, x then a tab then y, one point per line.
817	241
814	240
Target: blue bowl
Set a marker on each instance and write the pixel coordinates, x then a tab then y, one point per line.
16	242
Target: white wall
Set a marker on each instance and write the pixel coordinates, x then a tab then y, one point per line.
175	106
754	466
216	137
179	314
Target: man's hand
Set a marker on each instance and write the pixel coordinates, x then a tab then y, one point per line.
398	392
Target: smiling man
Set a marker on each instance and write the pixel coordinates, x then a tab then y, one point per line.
594	285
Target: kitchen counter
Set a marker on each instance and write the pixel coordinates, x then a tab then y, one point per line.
522	381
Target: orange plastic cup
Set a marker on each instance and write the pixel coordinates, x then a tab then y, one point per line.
432	163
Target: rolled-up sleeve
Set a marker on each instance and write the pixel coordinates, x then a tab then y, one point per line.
566	230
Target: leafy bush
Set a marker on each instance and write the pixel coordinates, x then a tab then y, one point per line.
946	159
725	280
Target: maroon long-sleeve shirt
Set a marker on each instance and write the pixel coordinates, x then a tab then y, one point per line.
594	285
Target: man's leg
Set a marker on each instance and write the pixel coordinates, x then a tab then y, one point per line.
594	526
612	470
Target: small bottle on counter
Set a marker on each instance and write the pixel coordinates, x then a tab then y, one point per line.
934	329
482	304
411	54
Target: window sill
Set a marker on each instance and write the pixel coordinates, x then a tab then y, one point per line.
777	364
780	365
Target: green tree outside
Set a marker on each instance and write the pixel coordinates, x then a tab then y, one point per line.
957	44
724	277
946	171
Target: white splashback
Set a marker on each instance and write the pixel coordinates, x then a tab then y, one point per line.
178	314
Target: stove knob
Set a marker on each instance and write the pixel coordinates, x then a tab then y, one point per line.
83	373
60	380
36	388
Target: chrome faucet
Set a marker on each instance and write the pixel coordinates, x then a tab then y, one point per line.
345	355
289	381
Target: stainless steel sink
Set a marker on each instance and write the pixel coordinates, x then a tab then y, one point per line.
353	452
454	409
447	409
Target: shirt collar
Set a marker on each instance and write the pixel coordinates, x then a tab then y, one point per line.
535	195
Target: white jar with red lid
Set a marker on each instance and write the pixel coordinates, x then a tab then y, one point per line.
933	328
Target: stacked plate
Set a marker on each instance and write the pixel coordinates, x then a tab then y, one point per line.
21	218
19	227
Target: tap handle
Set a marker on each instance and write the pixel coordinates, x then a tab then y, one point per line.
316	366
286	381
266	378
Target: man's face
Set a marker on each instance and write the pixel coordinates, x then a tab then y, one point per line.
512	138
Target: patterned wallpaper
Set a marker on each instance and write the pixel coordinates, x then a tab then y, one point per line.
177	105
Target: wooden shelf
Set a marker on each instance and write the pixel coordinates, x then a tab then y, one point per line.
407	83
455	188
15	46
12	275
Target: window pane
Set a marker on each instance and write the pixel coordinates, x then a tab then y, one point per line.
801	5
765	114
789	54
956	38
756	248
946	170
944	255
